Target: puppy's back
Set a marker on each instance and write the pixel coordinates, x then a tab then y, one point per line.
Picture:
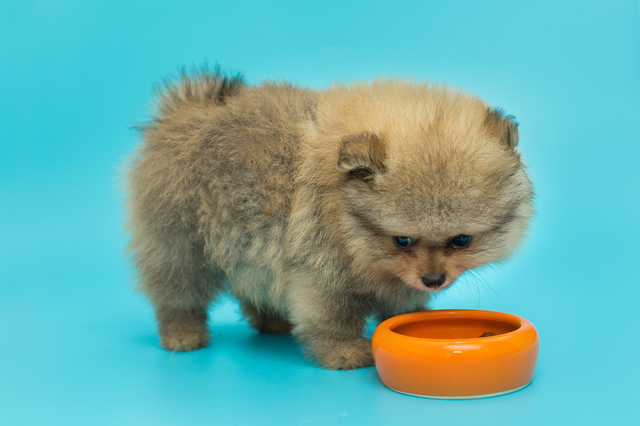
217	166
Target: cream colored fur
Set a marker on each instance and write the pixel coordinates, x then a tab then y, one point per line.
290	198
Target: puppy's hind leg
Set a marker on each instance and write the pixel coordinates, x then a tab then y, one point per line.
182	329
181	287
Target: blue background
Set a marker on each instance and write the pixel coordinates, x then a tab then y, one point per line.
79	347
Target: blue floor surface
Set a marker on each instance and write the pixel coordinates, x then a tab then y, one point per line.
79	347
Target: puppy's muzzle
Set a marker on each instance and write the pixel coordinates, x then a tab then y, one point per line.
433	281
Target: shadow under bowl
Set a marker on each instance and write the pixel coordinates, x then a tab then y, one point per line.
456	354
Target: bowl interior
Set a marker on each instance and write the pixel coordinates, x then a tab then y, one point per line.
457	328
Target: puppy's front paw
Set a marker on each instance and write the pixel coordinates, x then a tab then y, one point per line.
265	322
344	355
275	326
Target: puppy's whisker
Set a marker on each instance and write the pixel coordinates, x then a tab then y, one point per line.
469	280
485	284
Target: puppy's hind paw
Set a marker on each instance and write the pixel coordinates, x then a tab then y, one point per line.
185	341
181	330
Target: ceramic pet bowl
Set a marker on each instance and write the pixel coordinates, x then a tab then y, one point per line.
455	354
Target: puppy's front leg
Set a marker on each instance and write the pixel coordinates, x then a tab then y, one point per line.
329	323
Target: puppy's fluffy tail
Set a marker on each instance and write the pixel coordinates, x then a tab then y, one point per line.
197	87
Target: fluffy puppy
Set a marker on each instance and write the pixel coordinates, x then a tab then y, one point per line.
317	209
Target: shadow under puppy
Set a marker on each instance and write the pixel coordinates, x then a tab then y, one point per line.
316	209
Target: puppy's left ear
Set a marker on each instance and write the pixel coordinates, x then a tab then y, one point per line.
362	155
504	127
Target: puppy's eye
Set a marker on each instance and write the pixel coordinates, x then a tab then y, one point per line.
404	242
460	241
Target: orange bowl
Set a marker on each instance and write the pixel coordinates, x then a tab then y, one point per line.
455	354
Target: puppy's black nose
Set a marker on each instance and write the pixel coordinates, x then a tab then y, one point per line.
433	281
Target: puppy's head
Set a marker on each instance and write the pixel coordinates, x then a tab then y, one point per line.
423	200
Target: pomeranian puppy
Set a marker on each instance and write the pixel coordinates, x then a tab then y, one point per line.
317	209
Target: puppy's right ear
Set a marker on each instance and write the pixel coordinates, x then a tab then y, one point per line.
502	126
362	155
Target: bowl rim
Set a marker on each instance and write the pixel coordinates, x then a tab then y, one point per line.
396	321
